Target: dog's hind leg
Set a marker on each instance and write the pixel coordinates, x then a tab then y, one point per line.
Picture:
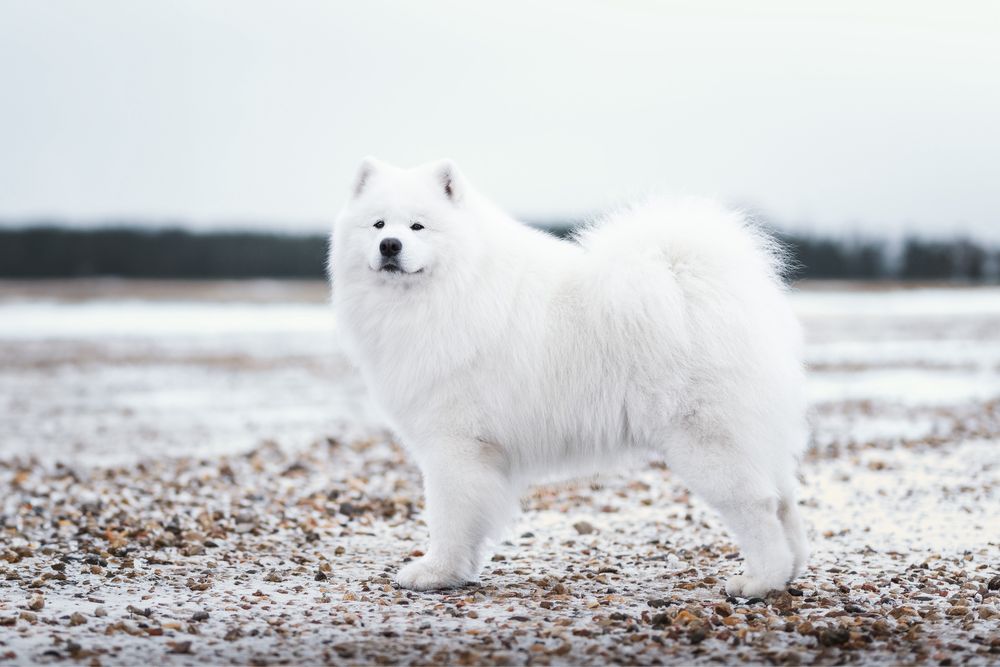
749	505
767	556
795	530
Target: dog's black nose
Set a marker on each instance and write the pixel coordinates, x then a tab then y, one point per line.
390	247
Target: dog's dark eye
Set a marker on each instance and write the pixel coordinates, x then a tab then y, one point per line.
380	224
416	226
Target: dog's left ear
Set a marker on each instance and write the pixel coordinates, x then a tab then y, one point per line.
449	179
368	167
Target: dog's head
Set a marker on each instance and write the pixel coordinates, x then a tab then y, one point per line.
403	224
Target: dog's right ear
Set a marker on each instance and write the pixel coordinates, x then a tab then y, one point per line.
368	167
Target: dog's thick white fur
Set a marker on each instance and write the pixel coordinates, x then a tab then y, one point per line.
503	354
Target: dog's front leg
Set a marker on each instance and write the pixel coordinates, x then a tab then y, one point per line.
469	496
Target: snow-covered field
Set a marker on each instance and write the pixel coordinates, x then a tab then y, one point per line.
191	448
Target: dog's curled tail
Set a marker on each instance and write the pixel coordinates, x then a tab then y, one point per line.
699	238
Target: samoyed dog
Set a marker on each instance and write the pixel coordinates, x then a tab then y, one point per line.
502	354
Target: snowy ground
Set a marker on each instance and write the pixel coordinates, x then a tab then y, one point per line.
190	473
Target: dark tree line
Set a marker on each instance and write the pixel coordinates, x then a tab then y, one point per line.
56	252
59	252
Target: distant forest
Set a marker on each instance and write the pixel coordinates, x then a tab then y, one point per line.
60	252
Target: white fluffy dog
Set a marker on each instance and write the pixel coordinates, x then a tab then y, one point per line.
503	354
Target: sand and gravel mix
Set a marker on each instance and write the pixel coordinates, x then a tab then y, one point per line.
225	496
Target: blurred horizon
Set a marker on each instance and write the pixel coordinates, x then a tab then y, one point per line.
855	230
832	119
172	252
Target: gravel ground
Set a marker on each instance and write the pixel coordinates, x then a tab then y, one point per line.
131	534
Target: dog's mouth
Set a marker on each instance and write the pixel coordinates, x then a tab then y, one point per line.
389	266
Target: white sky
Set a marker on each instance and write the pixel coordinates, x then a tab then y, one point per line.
872	116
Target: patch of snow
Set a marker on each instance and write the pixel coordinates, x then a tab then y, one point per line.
43	320
931	302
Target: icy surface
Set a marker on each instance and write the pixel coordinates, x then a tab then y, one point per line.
159	320
181	449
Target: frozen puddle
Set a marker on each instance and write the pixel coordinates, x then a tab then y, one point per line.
913	500
904	386
110	319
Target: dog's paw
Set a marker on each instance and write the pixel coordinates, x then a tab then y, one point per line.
428	575
742	586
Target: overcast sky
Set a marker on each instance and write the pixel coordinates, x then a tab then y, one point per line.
879	116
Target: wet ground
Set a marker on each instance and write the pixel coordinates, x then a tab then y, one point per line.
191	473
